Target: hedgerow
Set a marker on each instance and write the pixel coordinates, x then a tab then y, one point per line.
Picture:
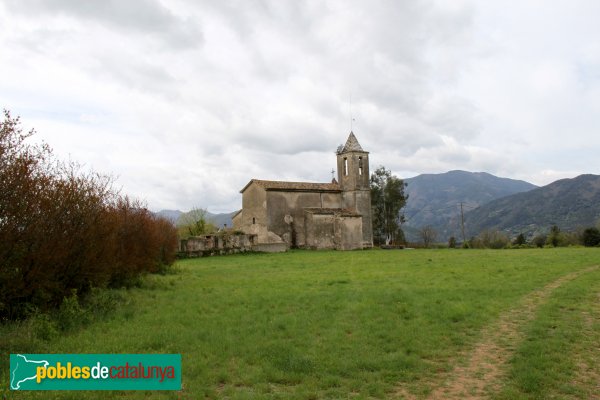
65	231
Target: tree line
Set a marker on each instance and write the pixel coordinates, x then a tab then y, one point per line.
65	231
584	236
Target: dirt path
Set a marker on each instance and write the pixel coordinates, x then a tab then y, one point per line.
485	363
587	355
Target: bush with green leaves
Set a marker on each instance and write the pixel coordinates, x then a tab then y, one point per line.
520	240
591	237
539	240
490	239
452	242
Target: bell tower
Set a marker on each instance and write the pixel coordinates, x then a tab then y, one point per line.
353	178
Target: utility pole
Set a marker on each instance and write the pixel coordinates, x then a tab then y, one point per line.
462	221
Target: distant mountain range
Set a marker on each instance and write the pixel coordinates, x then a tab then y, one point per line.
217	220
488	202
567	203
171	215
434	199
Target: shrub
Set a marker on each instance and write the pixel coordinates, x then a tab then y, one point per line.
520	240
591	237
493	239
41	326
70	313
570	239
452	242
539	240
555	237
63	232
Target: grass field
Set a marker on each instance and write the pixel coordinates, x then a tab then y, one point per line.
499	324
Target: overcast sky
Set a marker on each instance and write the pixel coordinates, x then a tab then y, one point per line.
185	101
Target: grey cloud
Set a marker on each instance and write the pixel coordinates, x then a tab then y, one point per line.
455	157
147	17
137	74
454	116
435	86
293	137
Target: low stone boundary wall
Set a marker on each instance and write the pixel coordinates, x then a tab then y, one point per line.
270	247
210	245
221	244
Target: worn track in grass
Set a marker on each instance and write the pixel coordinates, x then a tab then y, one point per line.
587	358
485	363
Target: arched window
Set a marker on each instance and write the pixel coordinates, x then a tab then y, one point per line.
253	220
360	168
345	166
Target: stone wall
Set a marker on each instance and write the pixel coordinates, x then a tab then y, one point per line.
208	245
236	220
353	177
270	247
254	214
320	230
360	201
286	212
333	229
349	233
227	243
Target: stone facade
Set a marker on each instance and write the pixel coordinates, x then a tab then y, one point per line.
332	229
313	215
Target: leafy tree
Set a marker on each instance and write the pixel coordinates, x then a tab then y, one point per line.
194	223
591	237
452	242
554	238
571	238
468	244
491	239
520	240
387	201
539	240
428	235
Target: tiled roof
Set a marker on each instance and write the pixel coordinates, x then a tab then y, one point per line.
295	186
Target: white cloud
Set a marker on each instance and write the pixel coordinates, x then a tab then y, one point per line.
186	101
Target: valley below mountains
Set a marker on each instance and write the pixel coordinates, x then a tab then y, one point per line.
493	203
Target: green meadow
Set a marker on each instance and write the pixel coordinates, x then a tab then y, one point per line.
359	324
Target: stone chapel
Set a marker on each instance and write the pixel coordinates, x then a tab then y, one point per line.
335	215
